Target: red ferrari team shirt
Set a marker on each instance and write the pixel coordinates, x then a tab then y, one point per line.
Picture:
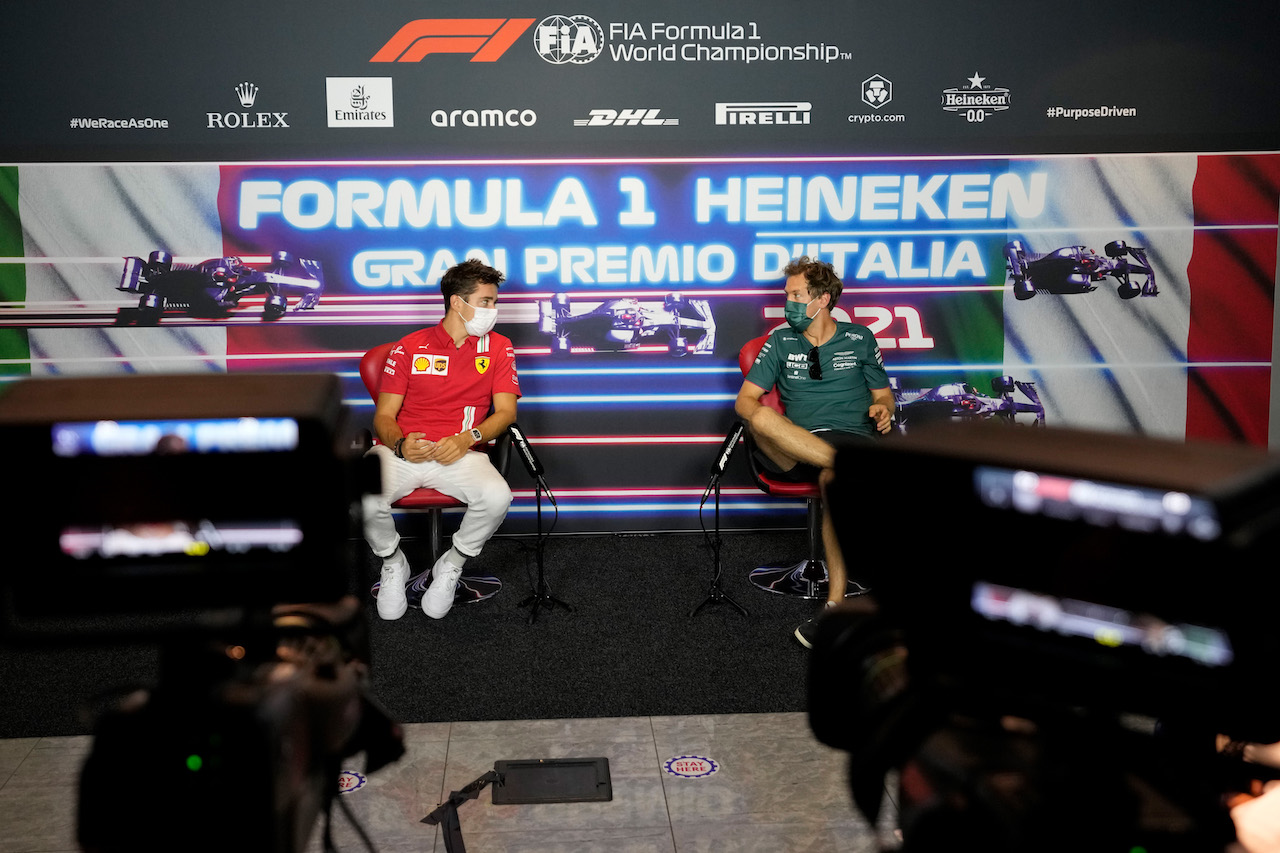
448	389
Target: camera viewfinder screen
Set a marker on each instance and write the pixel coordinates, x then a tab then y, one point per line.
163	437
197	538
1107	626
1133	508
1140	513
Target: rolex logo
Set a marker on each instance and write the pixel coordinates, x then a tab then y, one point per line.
248	93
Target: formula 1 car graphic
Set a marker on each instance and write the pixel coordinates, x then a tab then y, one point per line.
960	401
214	287
685	325
1075	269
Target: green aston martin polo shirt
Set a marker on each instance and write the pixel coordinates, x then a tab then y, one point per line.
851	367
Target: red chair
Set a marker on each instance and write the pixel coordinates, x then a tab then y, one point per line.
807	578
470	587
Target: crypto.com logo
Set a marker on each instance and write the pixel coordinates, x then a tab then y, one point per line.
485	39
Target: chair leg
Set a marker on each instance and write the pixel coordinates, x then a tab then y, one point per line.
807	578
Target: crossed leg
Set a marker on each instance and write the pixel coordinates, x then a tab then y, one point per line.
786	445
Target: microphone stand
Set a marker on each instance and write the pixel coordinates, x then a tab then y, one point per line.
541	593
716	595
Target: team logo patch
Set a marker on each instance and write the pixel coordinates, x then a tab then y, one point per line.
691	766
435	365
482	363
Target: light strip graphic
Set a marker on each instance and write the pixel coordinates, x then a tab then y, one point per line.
633	501
606	399
643	508
340	356
642	493
577	440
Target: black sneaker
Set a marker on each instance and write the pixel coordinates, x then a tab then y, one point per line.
809	628
806	632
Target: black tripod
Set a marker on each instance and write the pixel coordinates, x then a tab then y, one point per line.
716	594
541	594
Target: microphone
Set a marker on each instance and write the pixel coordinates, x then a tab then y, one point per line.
529	458
726	450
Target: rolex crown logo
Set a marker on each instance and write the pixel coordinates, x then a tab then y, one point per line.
248	93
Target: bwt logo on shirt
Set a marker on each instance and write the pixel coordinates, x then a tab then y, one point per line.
486	39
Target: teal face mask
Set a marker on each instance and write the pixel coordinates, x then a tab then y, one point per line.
797	314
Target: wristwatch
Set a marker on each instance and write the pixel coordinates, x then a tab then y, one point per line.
475	435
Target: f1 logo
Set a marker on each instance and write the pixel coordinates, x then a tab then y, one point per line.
485	38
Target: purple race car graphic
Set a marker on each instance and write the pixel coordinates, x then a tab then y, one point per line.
1076	269
213	288
676	325
956	401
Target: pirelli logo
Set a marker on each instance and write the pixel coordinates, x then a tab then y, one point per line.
485	39
764	112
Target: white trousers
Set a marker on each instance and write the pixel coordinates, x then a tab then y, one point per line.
472	480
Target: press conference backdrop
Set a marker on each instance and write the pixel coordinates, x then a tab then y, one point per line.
642	172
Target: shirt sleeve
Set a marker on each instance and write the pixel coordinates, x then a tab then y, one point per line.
873	367
395	372
506	380
764	372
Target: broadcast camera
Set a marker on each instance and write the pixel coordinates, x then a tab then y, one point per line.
208	514
1047	668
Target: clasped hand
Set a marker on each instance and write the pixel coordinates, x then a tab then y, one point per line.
417	448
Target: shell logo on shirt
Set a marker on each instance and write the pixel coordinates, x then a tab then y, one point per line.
436	365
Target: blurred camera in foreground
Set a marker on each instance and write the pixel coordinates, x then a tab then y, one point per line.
1063	624
208	514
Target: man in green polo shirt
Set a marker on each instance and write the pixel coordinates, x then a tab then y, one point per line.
834	388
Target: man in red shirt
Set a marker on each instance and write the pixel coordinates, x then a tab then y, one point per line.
438	387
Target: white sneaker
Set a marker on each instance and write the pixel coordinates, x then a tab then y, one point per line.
444	580
395	576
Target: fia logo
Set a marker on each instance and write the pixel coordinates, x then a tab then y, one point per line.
568	39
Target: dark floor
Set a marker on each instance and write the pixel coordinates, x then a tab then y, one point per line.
629	647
